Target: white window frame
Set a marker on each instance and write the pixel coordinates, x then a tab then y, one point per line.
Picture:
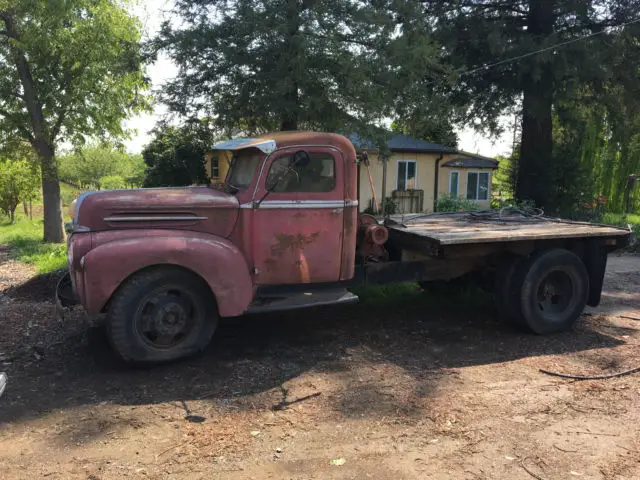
479	172
458	182
215	157
406	171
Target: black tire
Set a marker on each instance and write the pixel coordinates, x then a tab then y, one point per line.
506	291
554	291
160	315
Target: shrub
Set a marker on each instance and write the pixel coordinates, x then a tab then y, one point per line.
112	182
451	203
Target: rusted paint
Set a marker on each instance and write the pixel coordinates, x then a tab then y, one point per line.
215	259
299	245
219	209
233	249
294	242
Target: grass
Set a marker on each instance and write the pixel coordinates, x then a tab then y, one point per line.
621	219
436	294
24	238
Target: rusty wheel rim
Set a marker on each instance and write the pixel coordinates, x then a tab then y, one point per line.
166	317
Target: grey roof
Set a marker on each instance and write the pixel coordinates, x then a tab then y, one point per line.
401	143
471	162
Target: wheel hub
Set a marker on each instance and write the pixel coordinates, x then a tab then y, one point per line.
166	318
554	293
170	319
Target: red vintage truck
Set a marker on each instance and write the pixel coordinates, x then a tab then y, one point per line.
284	232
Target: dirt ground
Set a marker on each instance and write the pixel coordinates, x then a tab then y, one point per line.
401	389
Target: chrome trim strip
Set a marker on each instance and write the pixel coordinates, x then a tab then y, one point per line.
151	219
273	204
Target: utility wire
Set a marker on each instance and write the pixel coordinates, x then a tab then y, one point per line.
551	47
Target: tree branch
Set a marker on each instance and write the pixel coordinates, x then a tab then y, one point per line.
20	128
58	125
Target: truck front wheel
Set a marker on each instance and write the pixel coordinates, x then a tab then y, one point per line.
161	314
553	287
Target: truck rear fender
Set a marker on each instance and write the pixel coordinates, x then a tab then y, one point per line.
215	259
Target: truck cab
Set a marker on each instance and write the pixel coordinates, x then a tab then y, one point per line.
165	263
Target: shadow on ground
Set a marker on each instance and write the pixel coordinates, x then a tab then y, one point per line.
421	336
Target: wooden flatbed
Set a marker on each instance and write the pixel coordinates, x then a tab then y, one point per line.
490	227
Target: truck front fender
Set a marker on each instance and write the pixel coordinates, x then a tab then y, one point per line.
215	259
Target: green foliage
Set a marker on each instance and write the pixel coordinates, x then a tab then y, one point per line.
90	164
390	207
69	69
19	181
477	33
85	59
503	179
112	182
451	203
176	155
336	65
24	237
69	193
438	130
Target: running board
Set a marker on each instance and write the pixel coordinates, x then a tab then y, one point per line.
291	300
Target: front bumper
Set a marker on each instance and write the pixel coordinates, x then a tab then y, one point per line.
65	296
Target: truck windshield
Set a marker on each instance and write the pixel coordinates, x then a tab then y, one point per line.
243	167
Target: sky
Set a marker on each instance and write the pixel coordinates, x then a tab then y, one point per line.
152	13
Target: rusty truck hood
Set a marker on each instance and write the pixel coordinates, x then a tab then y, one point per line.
201	209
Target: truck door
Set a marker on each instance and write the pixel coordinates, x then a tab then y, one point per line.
298	227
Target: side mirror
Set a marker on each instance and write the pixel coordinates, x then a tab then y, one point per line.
300	158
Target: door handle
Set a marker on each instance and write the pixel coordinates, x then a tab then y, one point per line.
337	211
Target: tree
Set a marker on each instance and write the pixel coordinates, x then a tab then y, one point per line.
112	182
530	52
18	183
176	155
88	165
68	69
337	65
435	130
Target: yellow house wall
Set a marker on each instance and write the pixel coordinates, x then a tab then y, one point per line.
224	164
425	165
443	182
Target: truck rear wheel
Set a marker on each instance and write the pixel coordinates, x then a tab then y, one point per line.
554	287
161	314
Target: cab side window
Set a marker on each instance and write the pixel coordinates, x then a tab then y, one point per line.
317	175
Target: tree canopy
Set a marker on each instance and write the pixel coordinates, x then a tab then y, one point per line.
88	167
68	69
18	183
536	56
176	155
337	65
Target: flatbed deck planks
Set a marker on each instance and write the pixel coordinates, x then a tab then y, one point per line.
491	227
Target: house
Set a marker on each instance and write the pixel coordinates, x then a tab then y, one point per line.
409	174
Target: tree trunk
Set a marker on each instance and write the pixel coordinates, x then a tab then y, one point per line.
536	148
289	122
25	208
291	57
42	139
53	222
12	215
